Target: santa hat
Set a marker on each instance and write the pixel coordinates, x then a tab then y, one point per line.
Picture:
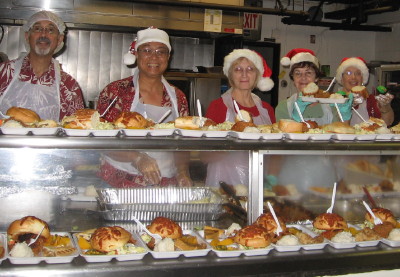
358	63
264	82
299	55
151	34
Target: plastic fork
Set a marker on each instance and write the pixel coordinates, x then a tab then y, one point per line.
109	106
376	219
330	209
278	228
164	116
38	235
3	116
301	116
157	237
238	111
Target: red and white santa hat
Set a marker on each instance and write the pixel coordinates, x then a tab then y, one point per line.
264	82
298	55
358	63
151	34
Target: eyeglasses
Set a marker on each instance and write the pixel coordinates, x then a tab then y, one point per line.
147	52
349	73
247	70
50	29
307	74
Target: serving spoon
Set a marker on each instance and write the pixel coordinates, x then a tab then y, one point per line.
156	237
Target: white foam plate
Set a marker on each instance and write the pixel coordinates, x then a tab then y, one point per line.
368	243
250	136
296	136
384	137
272	136
370	137
136	132
105	133
49	260
237	253
290	248
396	137
216	134
188	253
392	243
161	132
191	133
324	100
325	137
15	131
77	132
107	258
25	131
349	137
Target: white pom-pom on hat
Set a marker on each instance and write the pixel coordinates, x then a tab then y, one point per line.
129	57
356	62
264	82
298	55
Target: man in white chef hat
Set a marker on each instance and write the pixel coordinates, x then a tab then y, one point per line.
36	80
147	92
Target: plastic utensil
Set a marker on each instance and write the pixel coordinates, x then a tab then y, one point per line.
330	209
376	219
238	110
359	115
109	106
339	113
330	85
279	228
3	116
164	116
38	235
157	237
301	116
199	112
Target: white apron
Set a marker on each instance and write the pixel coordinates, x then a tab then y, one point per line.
327	117
44	100
363	111
263	118
233	169
165	160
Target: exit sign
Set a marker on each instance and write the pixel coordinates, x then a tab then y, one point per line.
251	21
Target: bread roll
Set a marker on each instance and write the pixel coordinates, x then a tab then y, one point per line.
290	126
384	214
253	236
132	120
193	122
267	221
361	90
82	119
329	221
106	239
165	227
246	116
366	166
339	128
310	90
23	115
241	125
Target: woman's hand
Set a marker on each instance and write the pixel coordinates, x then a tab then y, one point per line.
148	167
384	101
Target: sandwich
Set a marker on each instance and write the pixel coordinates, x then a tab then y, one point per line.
329	224
26	116
82	119
360	91
245	115
383	214
22	231
113	240
132	120
253	236
165	227
193	122
310	90
267	221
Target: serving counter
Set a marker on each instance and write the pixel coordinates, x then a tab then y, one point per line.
80	156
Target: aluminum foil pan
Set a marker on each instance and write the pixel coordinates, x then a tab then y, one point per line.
179	204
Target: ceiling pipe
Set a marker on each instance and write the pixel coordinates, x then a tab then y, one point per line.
231	8
337	26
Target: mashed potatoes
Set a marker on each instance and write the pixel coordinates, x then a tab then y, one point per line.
343	237
21	250
394	234
288	240
165	245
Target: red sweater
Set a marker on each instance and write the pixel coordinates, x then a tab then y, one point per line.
217	110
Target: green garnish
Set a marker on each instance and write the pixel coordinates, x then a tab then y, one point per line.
381	89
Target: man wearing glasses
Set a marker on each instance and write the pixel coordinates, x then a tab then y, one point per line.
148	93
35	80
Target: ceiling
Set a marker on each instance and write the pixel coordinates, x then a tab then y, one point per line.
340	14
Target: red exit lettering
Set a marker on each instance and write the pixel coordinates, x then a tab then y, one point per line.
250	20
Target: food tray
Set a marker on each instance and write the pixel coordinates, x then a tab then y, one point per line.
107	258
187	253
367	243
49	260
324	100
34	131
315	246
179	204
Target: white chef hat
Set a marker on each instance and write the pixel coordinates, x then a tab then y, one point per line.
264	82
49	16
358	63
151	34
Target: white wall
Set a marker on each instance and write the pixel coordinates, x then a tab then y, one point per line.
330	46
